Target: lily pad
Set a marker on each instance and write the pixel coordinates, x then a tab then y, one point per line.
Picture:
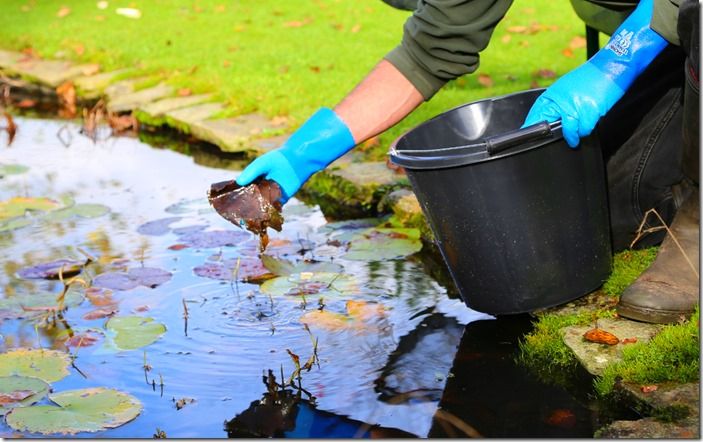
76	411
50	270
49	365
79	210
215	238
382	244
199	206
12	169
283	267
311	283
18	206
21	391
250	270
14	223
158	227
23	305
132	332
146	276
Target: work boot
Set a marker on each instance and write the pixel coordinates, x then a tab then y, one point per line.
668	290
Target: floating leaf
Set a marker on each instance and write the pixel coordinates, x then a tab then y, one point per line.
562	418
81	211
26	304
361	316
18	206
600	336
248	270
283	267
49	365
12	169
354	224
50	270
87	410
310	283
158	227
199	206
147	276
326	320
132	332
382	244
20	391
215	238
14	223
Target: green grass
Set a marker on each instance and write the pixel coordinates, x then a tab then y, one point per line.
281	58
672	355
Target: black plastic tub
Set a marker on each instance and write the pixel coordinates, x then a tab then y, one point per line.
520	218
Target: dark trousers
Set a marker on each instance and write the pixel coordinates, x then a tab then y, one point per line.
650	138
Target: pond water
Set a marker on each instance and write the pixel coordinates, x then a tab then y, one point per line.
381	335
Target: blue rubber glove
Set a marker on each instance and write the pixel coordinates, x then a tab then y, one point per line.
581	97
322	139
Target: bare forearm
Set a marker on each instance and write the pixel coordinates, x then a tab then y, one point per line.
381	100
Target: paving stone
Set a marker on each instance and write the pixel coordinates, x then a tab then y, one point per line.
234	134
129	102
93	86
155	111
122	87
650	428
49	72
368	174
264	145
595	357
667	395
9	58
186	118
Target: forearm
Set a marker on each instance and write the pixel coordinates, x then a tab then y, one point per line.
381	100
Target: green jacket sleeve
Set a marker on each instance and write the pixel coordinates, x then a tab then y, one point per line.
442	40
664	19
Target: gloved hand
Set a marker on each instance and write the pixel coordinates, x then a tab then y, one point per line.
322	139
581	97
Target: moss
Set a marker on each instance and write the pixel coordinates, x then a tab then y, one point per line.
672	355
148	119
627	266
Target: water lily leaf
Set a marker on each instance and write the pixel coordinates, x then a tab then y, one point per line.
158	227
49	365
249	270
281	247
146	276
186	230
198	205
283	267
26	304
14	223
383	244
50	270
353	224
18	206
21	391
311	283
86	410
361	316
79	210
215	238
12	169
132	332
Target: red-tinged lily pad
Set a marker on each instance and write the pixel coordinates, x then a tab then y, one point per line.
177	247
77	411
248	270
361	317
380	244
99	313
158	227
50	270
215	238
24	305
80	338
286	247
21	391
311	283
147	276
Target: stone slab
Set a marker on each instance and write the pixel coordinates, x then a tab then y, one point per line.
264	145
159	109
122	87
650	428
92	86
234	134
668	395
9	58
595	357
130	102
49	72
184	118
374	173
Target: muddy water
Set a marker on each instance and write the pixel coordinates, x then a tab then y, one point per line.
390	367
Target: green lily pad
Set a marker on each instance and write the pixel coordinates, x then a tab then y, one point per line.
199	205
132	332
23	305
18	206
14	223
311	283
21	391
49	365
12	169
79	210
86	410
284	267
381	244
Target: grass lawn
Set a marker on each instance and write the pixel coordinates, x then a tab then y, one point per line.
284	58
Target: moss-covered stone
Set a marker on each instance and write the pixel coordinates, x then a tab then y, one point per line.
134	100
154	113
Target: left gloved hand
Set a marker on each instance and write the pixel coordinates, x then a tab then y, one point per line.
581	97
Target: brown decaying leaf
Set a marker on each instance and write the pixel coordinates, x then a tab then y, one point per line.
11	128
629	340
81	340
99	313
14	397
567	53
601	336
562	418
485	80
648	388
122	123
67	98
577	42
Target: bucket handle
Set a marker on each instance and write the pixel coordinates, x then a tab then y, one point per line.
499	143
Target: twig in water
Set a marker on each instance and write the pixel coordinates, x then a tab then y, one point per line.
185	316
235	276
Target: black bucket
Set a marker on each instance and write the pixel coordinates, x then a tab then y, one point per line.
521	218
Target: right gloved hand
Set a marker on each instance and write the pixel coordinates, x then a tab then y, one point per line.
322	139
581	97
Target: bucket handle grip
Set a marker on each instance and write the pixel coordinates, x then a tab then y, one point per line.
499	143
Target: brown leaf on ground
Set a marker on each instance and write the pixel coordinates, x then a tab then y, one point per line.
398	170
79	49
485	80
184	92
517	29
315	69
648	388
226	63
297	23
279	120
11	128
506	38
356	28
577	42
567	53
601	336
63	11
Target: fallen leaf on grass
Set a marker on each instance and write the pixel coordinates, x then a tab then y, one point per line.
184	92
567	53
356	28
577	42
629	340
485	80
649	388
297	23
600	336
63	11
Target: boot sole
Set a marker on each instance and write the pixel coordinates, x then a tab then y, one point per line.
651	315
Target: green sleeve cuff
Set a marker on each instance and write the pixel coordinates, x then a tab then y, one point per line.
665	18
426	83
